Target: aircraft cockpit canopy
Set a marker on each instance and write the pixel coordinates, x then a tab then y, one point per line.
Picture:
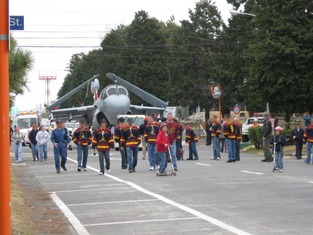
113	90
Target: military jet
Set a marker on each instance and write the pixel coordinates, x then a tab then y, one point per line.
113	100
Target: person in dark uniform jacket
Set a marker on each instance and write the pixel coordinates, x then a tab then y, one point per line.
33	142
208	130
298	135
267	137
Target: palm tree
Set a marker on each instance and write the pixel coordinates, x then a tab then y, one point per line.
21	62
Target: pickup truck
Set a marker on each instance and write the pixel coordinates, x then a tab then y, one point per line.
247	125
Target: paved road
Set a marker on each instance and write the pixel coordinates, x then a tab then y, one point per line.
206	197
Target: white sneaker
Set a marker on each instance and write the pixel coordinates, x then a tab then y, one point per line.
218	158
151	168
212	158
109	170
101	173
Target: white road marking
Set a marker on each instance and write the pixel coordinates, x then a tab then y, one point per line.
141	221
88	190
18	164
202	164
77	182
98	185
177	205
251	172
68	214
113	202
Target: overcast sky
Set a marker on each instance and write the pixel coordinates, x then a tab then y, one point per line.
78	23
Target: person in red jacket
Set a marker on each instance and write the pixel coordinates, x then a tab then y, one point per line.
163	144
82	137
103	141
173	134
131	140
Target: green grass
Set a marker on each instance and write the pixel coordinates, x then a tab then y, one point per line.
20	221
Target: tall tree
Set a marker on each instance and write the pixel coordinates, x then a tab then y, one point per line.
20	63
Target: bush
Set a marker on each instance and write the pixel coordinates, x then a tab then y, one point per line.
256	137
287	134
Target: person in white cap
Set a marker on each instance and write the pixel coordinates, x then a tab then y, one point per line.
278	141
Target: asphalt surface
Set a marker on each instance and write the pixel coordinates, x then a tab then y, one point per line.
206	197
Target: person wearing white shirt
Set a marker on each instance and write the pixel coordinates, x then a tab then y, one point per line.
42	139
18	139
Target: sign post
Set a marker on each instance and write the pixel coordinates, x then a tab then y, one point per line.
236	109
5	207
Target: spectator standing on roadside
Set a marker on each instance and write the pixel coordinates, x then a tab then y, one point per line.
307	119
18	139
267	136
33	142
278	141
42	139
308	136
142	129
255	123
208	130
238	125
298	135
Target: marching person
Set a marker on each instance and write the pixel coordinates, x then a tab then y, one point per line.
142	129
222	139
33	143
267	136
173	133
18	139
151	133
278	141
179	145
238	125
216	133
118	131
103	141
308	136
163	144
208	130
192	139
42	139
230	134
60	140
131	141
298	135
82	137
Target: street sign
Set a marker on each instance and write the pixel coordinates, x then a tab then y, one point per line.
236	109
16	22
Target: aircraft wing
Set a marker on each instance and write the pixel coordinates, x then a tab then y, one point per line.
141	107
151	99
76	113
72	93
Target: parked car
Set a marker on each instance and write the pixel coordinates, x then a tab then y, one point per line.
248	123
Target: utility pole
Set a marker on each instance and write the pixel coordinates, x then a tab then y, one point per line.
5	198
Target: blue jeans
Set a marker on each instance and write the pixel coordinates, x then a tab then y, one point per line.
216	147
231	147
60	151
223	145
163	162
132	157
237	150
152	154
104	156
82	155
179	146
18	152
193	150
123	159
34	148
43	149
173	153
279	160
309	151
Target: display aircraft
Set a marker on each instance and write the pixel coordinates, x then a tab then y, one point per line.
113	100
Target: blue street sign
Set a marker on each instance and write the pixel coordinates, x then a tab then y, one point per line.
16	22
